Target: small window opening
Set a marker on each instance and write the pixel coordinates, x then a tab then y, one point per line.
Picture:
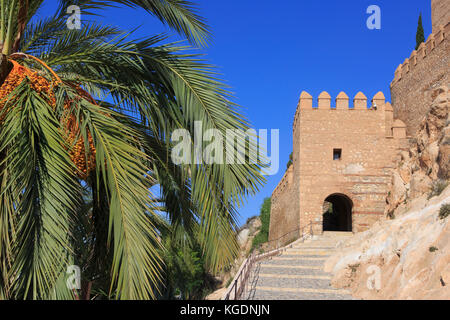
337	154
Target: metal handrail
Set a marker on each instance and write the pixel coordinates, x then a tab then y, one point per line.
240	280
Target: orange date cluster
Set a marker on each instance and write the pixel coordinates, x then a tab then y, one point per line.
84	161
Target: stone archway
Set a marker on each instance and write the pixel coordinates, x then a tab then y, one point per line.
337	213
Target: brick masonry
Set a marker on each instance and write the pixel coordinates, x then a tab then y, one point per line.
419	75
369	137
440	13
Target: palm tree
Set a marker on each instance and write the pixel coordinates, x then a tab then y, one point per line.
85	125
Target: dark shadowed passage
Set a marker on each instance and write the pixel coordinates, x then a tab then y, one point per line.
337	214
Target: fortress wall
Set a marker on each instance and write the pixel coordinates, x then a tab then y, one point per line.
284	205
425	70
440	13
368	152
285	208
370	140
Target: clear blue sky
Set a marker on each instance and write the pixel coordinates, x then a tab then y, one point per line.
269	51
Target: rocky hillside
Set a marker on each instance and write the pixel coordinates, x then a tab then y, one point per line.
427	163
407	255
404	258
245	238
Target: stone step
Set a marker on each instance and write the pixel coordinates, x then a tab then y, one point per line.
327	246
331	243
273	295
295	261
294	276
318	248
276	269
301	256
309	247
287	266
309	252
303	290
305	283
284	258
297	272
337	234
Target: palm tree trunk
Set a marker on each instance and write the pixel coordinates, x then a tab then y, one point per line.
5	68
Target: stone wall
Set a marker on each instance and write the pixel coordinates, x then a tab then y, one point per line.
417	78
369	139
284	206
440	13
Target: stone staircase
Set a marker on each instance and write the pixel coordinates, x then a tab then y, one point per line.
297	273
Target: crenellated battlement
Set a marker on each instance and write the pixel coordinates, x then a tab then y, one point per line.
415	79
341	102
434	41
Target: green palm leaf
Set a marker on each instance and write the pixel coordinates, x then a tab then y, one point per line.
110	223
44	190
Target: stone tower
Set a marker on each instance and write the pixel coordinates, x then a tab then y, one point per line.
343	156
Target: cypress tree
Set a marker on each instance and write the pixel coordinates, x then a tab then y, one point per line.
420	37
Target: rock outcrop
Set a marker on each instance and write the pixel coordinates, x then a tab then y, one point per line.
248	232
245	237
404	258
428	158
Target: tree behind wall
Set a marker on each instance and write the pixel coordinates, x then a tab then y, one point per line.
420	37
290	161
263	234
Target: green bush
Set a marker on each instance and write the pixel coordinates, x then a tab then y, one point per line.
437	187
444	212
290	161
185	274
263	234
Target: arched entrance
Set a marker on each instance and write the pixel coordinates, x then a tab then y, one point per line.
337	213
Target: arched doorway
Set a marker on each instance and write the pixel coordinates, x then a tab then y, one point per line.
337	213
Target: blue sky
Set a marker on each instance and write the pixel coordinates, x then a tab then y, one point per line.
269	51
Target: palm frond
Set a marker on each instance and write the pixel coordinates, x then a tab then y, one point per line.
132	234
180	15
44	190
144	89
